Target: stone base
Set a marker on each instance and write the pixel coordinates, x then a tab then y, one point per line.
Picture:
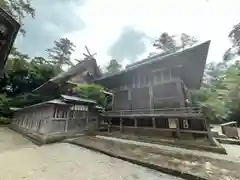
228	141
196	144
175	161
41	139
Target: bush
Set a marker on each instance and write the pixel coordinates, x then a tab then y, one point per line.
4	120
91	91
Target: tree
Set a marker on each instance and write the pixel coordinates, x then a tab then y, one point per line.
221	94
23	75
19	9
234	50
61	52
168	43
113	66
234	35
187	41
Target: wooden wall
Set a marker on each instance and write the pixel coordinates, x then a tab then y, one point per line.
53	118
34	119
146	89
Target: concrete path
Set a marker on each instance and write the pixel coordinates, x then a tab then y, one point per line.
234	152
20	159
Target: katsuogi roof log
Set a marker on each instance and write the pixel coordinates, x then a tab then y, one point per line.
192	62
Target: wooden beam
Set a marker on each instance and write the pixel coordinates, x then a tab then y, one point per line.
148	128
194	131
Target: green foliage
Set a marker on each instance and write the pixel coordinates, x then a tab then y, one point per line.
113	67
92	91
221	86
187	41
4	120
169	43
220	93
166	43
19	9
23	75
61	52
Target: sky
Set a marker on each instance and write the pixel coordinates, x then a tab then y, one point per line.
126	29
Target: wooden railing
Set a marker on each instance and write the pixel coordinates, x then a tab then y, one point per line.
184	111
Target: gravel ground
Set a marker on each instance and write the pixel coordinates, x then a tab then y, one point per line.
20	159
10	140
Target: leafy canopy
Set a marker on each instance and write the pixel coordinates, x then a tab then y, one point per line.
91	91
60	54
113	67
19	9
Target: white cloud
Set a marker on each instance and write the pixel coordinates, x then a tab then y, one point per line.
105	20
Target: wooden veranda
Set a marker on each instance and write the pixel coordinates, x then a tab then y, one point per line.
168	112
179	117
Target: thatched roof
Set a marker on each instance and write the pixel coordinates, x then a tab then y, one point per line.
12	29
192	61
64	77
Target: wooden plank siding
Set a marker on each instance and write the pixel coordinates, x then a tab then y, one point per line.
150	89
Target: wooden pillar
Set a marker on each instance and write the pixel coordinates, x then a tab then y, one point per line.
98	121
67	119
109	124
180	93
150	97
121	124
178	128
87	118
154	122
135	122
113	100
210	137
129	95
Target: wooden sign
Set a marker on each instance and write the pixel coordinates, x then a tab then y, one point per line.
9	28
79	108
172	122
185	124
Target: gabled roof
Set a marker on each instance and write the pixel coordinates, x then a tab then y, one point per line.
192	60
65	76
